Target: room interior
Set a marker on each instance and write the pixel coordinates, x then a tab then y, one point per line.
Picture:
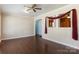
39	29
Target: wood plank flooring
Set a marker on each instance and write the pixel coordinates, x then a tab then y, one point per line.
34	45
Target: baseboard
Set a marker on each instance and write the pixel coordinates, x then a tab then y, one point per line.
17	37
63	44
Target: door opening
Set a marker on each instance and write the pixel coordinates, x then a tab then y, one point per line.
39	28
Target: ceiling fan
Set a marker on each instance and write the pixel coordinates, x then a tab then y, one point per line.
33	7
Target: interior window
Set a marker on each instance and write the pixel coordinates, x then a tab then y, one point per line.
65	21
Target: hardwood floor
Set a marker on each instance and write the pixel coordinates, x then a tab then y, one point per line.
34	45
19	45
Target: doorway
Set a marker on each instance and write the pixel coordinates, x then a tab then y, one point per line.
39	27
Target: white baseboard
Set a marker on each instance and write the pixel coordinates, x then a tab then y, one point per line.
63	44
17	37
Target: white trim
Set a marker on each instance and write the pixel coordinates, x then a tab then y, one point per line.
62	43
17	37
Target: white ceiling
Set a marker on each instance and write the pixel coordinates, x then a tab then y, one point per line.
18	9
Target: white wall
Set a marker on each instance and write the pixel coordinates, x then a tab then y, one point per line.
0	24
60	35
17	26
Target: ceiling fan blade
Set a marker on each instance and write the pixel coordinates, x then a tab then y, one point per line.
34	10
28	9
34	5
39	8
